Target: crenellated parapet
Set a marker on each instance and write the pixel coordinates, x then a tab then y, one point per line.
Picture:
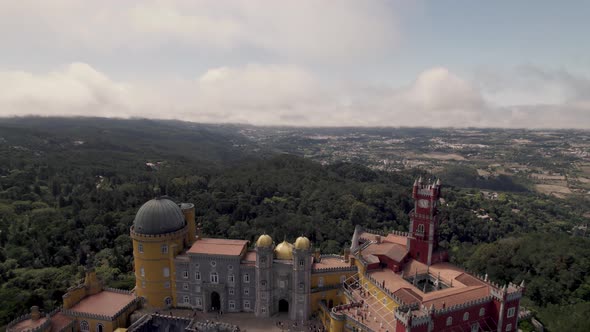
335	269
400	233
414	214
88	315
463	306
421	320
376	232
157	237
119	291
389	293
17	320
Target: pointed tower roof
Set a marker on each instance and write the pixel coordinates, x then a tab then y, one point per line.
356	238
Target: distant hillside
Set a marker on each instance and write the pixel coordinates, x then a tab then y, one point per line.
99	138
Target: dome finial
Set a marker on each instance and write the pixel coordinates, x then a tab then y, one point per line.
264	241
302	243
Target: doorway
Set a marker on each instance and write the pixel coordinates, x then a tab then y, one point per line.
283	305
215	301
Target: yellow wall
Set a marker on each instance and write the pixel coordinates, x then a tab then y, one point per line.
153	262
108	326
330	278
391	304
73	296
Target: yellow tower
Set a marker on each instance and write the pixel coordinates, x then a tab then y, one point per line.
188	209
159	233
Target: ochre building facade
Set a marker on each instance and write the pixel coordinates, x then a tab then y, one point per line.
385	281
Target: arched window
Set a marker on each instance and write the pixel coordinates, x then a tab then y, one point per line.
449	321
84	327
99	327
168	301
214	278
420	229
466	316
482	312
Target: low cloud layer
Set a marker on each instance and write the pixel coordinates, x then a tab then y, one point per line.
294	95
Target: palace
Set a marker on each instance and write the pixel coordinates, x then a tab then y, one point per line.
396	281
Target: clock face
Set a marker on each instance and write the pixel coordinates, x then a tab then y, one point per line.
423	203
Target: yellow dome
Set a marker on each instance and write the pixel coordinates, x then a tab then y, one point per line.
302	243
284	250
264	241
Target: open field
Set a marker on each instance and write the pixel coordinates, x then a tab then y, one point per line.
552	189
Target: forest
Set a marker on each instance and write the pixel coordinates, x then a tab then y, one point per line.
69	190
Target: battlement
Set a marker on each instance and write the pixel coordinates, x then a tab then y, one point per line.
120	291
389	293
463	306
41	327
157	237
335	269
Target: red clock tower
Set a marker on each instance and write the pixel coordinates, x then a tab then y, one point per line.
423	239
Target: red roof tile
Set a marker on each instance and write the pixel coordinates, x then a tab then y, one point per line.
330	262
28	324
218	247
250	256
59	321
465	287
104	303
391	250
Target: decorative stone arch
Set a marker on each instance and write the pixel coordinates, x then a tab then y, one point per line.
283	305
215	301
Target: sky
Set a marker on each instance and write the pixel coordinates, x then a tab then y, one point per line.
513	64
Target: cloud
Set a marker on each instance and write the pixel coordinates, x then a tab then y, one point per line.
77	89
281	94
308	29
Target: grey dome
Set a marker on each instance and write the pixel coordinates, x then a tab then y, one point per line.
158	216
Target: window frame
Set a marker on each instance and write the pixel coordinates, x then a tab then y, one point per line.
511	312
214	277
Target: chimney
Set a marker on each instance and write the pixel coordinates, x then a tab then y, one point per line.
378	238
316	255
35	314
346	255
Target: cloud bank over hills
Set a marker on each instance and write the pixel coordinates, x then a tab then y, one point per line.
291	95
276	65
